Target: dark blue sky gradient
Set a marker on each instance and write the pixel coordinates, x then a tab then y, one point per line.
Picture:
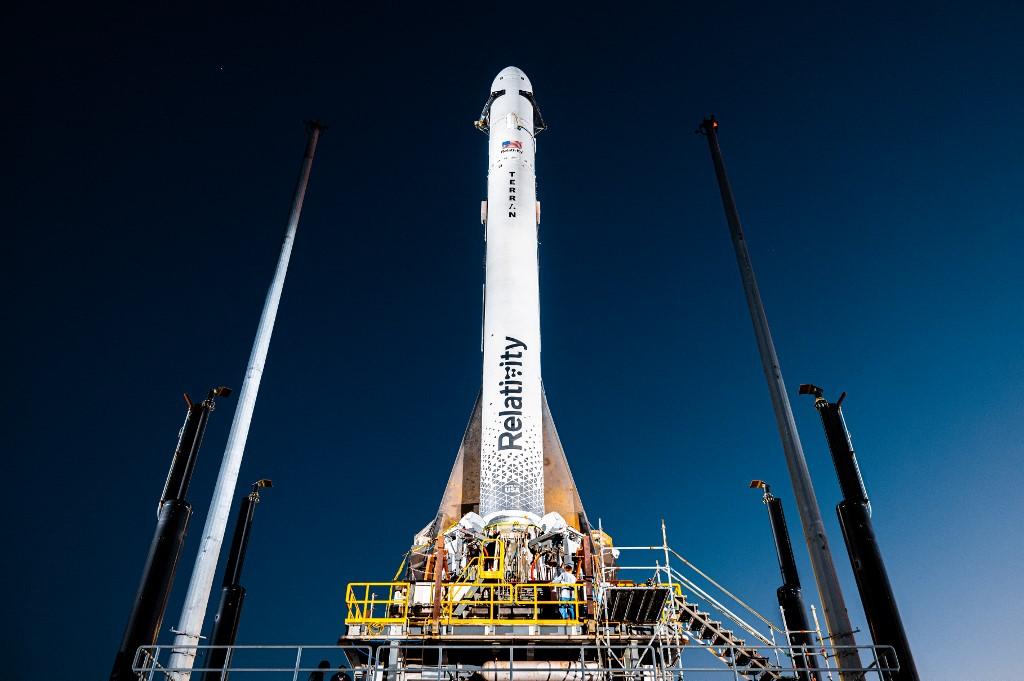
876	155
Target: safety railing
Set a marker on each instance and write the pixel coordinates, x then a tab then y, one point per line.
377	603
504	603
666	574
491	561
415	661
465	603
265	662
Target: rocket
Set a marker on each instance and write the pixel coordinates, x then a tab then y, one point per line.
511	443
510	459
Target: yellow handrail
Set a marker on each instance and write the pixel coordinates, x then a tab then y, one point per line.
377	602
467	603
491	566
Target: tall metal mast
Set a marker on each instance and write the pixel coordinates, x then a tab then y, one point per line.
876	595
232	595
173	514
198	596
791	601
836	617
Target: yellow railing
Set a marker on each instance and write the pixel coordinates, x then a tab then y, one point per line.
491	563
677	588
467	603
377	603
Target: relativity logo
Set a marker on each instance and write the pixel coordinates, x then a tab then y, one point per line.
512	392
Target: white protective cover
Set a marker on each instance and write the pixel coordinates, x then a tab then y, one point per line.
472	522
553	522
511	443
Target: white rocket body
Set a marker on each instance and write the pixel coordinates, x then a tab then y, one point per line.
511	443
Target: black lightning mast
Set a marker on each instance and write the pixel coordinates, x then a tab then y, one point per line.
173	515
854	512
229	614
789	594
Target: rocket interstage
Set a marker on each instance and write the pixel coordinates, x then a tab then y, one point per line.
511	443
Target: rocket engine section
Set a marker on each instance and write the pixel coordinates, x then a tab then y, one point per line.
511	546
557	544
462	543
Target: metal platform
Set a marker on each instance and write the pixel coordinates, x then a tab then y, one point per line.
415	661
651	628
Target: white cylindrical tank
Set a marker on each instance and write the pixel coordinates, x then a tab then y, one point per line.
530	670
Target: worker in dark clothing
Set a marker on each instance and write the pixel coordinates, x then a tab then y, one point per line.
321	669
342	676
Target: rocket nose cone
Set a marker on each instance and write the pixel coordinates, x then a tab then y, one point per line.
511	79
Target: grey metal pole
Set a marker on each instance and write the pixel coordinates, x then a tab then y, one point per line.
198	596
836	617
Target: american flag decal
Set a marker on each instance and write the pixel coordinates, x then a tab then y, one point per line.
514	144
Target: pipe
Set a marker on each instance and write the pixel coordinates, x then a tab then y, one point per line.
880	609
533	670
789	595
229	613
198	596
173	513
837	619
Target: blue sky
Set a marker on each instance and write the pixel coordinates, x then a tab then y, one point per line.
875	152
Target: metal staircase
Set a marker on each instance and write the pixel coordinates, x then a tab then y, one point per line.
724	644
466	601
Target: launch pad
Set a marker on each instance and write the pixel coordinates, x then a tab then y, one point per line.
510	580
482	615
